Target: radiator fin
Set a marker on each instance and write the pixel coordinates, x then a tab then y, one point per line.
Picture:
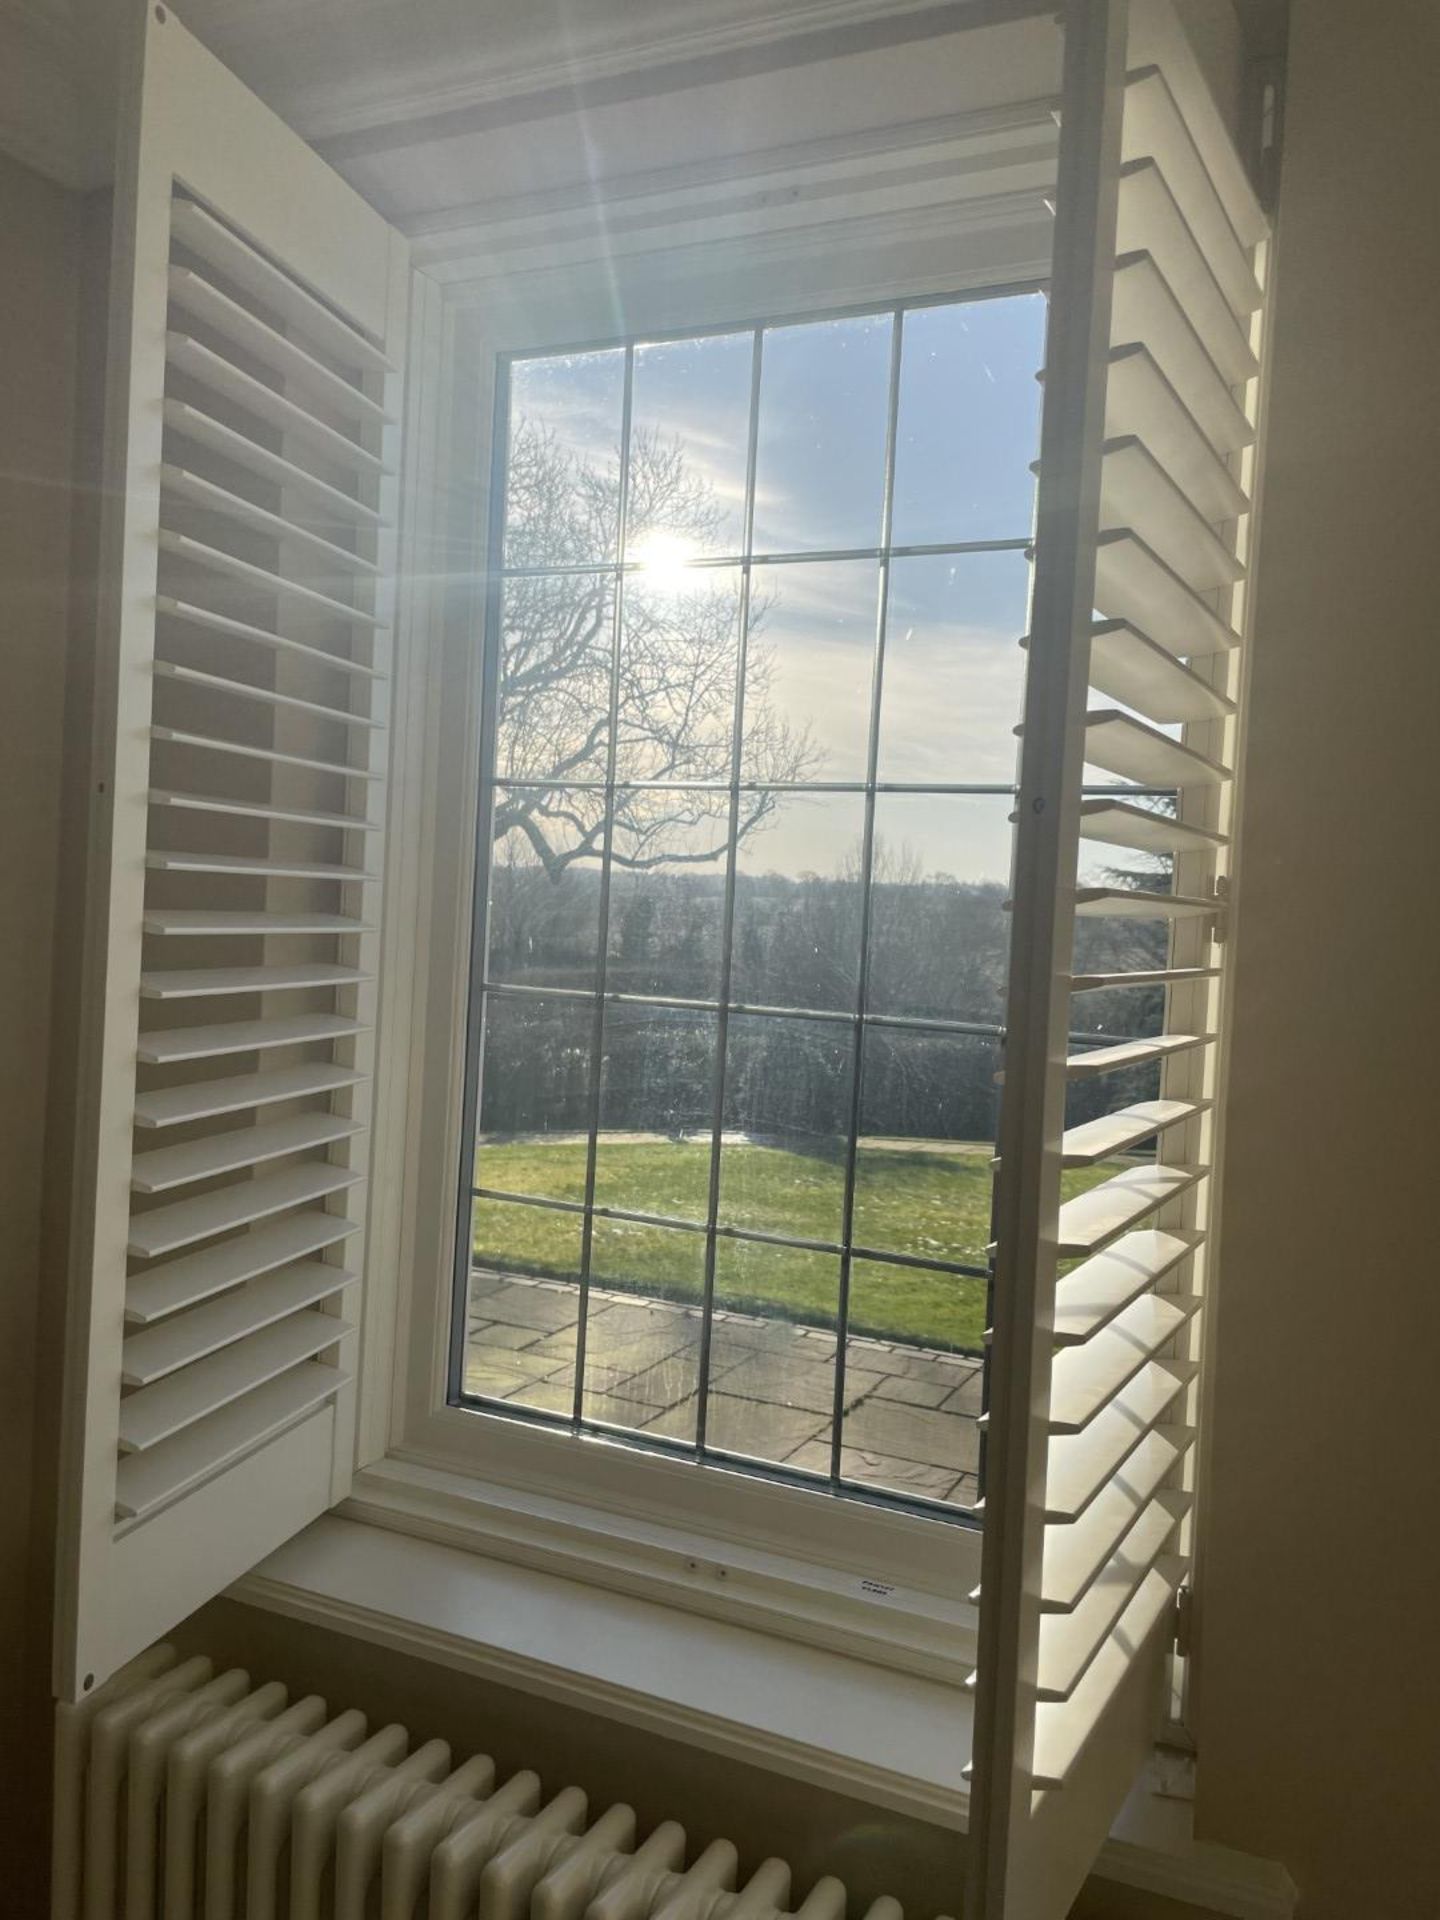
183	1793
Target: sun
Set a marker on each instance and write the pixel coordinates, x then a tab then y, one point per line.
665	559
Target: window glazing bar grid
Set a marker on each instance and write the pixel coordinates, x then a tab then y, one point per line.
727	918
937	549
618	570
829	1016
752	1236
992	790
867	901
597	1025
777	1474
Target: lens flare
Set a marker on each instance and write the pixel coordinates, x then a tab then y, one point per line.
664	558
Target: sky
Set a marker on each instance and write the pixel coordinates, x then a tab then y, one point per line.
968	426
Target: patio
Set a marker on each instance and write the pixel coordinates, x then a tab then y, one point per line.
909	1416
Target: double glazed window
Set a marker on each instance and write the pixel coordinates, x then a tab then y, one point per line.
753	677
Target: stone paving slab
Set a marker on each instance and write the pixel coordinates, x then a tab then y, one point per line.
897	1476
775	1377
910	1412
756	1428
898	1432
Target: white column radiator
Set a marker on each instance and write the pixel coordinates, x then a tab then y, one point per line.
187	1794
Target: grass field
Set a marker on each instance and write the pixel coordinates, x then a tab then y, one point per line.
927	1203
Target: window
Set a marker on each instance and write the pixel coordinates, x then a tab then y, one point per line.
753	680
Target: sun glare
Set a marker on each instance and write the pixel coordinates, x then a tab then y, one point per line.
665	558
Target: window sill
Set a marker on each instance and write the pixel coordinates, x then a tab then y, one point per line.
867	1611
894	1740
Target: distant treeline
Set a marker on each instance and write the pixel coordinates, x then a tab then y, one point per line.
938	950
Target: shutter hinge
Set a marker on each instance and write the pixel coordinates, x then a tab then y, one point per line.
1222	904
1184	1621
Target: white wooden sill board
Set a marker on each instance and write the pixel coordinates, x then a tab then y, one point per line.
890	1738
844	1724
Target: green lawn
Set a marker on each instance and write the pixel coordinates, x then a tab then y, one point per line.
928	1203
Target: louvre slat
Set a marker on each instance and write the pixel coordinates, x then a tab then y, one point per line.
222	377
1085	1379
1140	400
1096	1140
1063	1730
187	1337
1081	1464
1158	38
182	737
265	696
1136	492
1150	221
198	616
1134	585
1077	1552
256	338
205	1099
206	431
1132	1053
1121	825
1142	977
200	1276
1089	1296
215	560
1070	1641
1136	903
221	248
159	1412
254	810
1146	313
244	1036
1117	1538
278	868
1127	665
165	1229
1090	1219
167	1167
193	983
1128	747
194	921
148	1481
1153	126
180	483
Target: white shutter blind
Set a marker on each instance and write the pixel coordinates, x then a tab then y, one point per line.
1145	477
257	330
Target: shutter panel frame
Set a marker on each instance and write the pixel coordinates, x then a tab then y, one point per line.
1095	1385
205	171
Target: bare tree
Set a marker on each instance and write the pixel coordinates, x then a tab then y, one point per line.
670	685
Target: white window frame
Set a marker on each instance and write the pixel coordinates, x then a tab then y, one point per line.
885	1580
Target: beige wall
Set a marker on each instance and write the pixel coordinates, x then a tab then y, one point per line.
1319	1707
39	265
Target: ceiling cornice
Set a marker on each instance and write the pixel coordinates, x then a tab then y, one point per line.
779	175
765	40
693	29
